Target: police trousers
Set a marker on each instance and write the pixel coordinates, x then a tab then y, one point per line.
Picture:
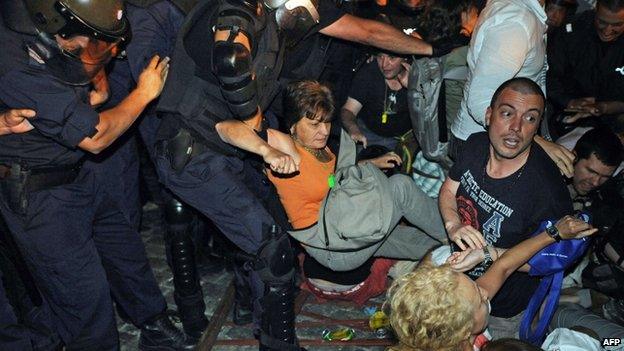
81	249
220	187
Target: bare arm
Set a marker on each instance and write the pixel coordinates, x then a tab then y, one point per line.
569	228
348	117
115	121
377	34
462	235
243	136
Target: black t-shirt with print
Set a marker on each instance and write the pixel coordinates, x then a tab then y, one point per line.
508	210
369	89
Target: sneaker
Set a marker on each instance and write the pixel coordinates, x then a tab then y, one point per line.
159	334
614	311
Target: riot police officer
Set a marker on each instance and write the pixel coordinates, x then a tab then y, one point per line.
154	25
73	235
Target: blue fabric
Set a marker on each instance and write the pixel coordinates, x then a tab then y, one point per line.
230	194
550	262
80	249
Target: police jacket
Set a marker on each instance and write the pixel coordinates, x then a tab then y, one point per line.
581	65
192	97
64	115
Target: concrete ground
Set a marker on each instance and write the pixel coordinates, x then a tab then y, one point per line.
214	286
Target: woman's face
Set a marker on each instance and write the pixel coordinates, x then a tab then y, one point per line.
312	133
478	298
469	21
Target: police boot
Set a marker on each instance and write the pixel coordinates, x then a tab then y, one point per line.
278	319
242	311
159	333
187	290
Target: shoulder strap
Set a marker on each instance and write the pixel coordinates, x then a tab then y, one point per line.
549	289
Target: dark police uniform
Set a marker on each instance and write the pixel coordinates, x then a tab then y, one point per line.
154	26
213	177
78	243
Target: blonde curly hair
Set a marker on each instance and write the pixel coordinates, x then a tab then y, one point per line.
427	312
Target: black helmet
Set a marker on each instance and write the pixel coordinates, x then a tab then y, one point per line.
98	19
77	38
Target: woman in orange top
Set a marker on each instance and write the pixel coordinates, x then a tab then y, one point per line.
308	119
308	107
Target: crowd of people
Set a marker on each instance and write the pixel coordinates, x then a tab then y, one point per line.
286	133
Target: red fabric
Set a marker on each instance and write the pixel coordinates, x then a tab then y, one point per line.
374	285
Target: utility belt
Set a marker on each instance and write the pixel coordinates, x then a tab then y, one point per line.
16	182
184	146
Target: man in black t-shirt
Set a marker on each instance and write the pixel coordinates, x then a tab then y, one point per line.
378	97
499	190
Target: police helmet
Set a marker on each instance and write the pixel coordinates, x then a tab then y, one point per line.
98	19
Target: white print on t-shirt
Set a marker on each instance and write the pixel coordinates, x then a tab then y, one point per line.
498	211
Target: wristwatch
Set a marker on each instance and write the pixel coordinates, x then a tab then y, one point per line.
487	258
553	232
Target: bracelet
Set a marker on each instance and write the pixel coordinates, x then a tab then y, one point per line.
487	258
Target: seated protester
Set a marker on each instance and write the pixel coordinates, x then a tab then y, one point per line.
309	106
438	308
559	12
376	111
585	79
500	189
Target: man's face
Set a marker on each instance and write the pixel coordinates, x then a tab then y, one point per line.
513	122
556	15
390	66
590	173
609	24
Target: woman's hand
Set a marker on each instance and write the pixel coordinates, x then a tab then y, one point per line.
570	227
284	143
465	260
386	161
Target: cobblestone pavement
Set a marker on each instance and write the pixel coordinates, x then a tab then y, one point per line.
213	286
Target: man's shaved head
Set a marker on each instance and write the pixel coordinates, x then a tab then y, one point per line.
521	85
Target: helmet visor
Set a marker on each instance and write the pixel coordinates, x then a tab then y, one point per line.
295	18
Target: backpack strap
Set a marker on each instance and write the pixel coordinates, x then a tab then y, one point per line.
549	289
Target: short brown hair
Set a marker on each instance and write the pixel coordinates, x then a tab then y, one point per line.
309	99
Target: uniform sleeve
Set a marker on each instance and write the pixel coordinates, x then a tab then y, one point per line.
153	32
61	115
502	54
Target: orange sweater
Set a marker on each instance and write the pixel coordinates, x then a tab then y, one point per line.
303	192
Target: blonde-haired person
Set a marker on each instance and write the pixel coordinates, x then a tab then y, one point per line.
440	309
